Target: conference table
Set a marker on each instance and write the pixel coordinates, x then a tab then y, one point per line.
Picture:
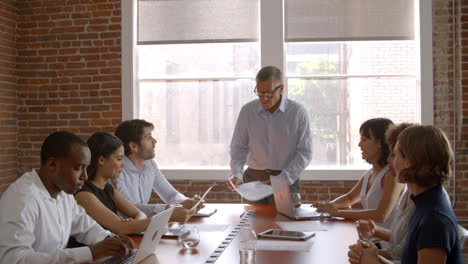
330	246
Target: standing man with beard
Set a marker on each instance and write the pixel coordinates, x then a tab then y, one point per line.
272	136
141	175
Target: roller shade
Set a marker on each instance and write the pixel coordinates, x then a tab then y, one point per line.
342	20
197	21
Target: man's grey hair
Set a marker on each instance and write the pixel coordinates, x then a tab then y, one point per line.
269	73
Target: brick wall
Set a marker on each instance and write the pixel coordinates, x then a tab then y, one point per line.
8	115
310	190
461	117
68	71
450	110
68	61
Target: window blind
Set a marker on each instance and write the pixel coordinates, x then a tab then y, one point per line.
197	21
343	20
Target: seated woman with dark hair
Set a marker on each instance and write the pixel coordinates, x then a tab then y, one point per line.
101	199
397	232
377	190
423	160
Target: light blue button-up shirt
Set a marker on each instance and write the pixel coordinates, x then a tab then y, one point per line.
278	141
137	186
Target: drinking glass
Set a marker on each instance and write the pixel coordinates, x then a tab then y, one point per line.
247	244
189	237
173	228
362	235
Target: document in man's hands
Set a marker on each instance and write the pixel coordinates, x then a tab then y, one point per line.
203	196
253	191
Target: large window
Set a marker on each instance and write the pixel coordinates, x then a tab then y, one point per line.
195	98
342	84
346	61
195	61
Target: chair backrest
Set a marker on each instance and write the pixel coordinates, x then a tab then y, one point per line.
463	235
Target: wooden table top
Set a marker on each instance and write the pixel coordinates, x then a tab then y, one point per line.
329	246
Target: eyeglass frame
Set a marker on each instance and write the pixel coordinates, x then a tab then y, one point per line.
267	94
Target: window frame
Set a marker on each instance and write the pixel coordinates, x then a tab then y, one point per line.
272	31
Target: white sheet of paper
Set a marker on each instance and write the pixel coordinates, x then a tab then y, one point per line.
302	226
209	227
253	191
274	245
203	196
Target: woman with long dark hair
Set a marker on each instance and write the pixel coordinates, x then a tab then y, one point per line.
100	196
377	190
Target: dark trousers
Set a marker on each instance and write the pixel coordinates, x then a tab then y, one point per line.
251	175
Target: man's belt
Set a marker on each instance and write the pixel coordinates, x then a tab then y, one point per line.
269	171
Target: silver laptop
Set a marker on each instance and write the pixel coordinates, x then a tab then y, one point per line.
284	203
149	242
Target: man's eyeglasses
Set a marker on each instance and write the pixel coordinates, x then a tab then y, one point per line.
266	94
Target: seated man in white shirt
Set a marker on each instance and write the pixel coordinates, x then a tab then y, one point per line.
141	175
38	212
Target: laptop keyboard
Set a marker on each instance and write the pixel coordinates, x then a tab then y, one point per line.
127	259
303	212
308	213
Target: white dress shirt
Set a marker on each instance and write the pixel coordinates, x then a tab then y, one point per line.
35	227
136	186
278	141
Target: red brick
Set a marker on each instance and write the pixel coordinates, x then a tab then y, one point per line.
79	108
90	115
100	122
116	107
68	116
79	123
111	114
58	108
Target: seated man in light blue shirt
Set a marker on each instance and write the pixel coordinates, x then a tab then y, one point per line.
272	136
141	176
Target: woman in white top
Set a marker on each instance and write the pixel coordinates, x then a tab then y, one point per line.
377	190
397	234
